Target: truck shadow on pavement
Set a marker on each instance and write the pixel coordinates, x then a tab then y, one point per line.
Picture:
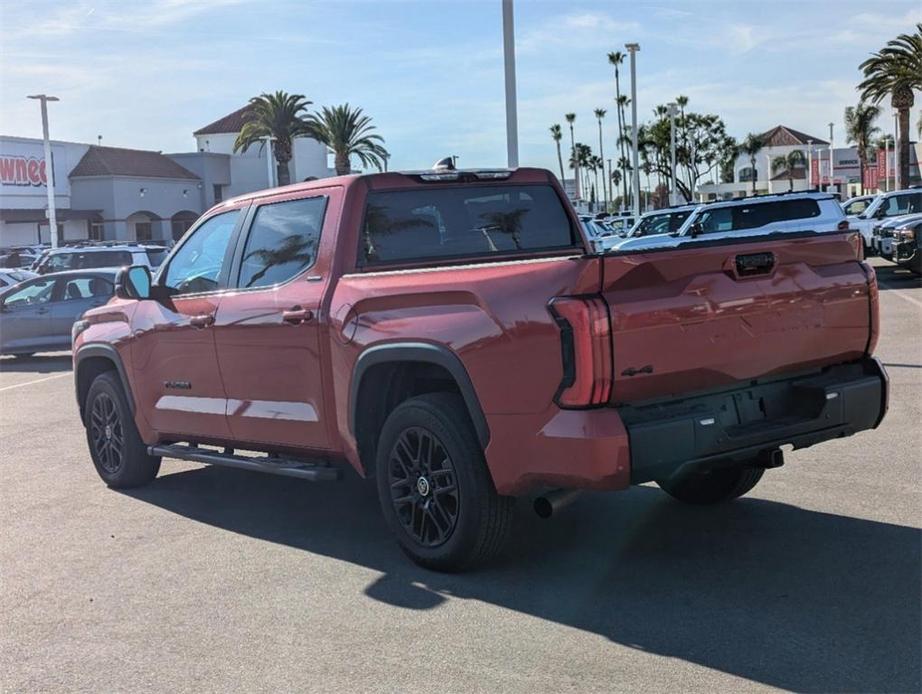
766	591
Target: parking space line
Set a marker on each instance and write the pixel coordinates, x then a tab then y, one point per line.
900	293
37	380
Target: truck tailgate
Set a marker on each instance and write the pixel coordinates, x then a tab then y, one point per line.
697	318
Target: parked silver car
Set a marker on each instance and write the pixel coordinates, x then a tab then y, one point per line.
746	217
38	314
10	277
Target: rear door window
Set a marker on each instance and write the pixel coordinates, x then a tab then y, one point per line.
474	221
87	288
282	241
89	261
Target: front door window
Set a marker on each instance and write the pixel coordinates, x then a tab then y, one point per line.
196	266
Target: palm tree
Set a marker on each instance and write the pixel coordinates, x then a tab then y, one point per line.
597	164
792	160
571	117
599	115
896	70
860	129
280	116
348	132
615	176
615	59
557	135
751	146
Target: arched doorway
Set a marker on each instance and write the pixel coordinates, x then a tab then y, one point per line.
142	225
180	223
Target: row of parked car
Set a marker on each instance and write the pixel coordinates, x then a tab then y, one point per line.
890	223
39	303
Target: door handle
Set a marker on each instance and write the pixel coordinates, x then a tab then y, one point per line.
202	321
42	310
296	315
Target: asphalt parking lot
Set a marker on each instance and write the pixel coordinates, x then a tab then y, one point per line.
221	580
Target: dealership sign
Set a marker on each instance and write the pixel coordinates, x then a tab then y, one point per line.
22	171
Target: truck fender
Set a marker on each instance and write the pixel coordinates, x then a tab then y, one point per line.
423	352
99	351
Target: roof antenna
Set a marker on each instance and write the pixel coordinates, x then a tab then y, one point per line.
446	164
99	140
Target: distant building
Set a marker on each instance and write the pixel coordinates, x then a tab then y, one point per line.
114	193
813	173
248	171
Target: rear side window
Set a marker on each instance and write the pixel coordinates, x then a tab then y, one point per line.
87	261
282	241
463	222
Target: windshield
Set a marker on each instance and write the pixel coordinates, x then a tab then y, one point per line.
654	224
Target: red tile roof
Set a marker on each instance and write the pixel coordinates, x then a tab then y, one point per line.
116	161
231	123
783	136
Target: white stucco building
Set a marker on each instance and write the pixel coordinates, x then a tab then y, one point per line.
249	170
120	194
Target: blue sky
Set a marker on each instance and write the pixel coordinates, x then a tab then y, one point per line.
146	74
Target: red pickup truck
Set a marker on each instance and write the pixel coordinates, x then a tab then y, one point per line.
453	335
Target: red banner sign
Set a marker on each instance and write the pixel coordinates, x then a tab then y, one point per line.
22	171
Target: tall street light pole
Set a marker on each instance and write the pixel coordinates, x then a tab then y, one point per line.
896	151
632	48
49	167
512	125
673	109
832	157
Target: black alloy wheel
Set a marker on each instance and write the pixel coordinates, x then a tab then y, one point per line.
424	487
107	433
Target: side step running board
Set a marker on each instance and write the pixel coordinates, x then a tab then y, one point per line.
288	467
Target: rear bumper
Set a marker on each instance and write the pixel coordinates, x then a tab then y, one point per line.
737	425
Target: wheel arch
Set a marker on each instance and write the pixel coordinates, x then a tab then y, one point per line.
386	375
92	360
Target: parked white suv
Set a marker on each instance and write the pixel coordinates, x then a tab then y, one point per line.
92	257
895	204
753	216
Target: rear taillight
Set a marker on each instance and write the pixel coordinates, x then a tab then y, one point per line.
585	343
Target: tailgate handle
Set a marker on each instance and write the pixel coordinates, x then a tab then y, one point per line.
754	264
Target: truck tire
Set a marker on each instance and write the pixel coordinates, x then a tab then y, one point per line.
713	487
436	493
119	454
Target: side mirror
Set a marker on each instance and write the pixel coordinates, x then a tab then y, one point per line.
133	282
695	230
